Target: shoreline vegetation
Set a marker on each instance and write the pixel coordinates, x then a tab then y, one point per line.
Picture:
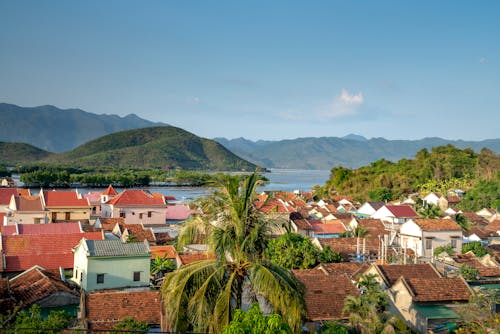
68	177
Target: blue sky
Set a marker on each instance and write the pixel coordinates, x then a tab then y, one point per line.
262	69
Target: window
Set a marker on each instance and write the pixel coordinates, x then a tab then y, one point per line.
122	214
100	278
428	243
137	276
67	216
454	243
150	214
37	220
140	215
54	216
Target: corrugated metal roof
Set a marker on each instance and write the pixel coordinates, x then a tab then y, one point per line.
116	248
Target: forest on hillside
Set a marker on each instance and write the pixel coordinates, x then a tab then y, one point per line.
441	169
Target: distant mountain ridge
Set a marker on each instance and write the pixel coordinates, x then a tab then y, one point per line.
58	130
351	151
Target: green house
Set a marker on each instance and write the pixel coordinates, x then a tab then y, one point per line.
111	264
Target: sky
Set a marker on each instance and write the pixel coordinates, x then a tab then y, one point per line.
262	69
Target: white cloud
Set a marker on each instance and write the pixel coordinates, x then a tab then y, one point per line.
345	104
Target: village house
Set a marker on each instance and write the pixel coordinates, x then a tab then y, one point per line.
334	228
352	249
424	235
324	296
136	206
395	215
111	264
65	206
94	198
369	208
25	210
103	310
7	181
5	196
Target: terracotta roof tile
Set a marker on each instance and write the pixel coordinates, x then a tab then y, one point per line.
110	191
108	224
139	232
331	227
94	197
437	224
57	198
347	246
190	258
49	251
494	226
28	203
39	229
6	194
325	294
135	197
7	301
162	238
167	251
36	284
178	212
473	217
472	261
402	211
105	309
375	227
392	272
439	289
350	269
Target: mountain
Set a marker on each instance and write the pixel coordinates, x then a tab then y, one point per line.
154	147
59	130
20	153
327	152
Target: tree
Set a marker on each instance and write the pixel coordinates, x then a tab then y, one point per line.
430	211
254	322
203	296
476	248
468	273
448	249
479	314
31	321
130	325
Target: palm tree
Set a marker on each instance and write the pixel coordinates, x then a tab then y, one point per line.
202	296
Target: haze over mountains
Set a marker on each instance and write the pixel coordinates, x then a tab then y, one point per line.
57	130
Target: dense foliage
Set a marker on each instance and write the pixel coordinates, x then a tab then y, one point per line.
476	248
254	322
443	168
130	326
294	251
31	322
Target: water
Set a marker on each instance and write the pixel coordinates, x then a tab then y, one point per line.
279	179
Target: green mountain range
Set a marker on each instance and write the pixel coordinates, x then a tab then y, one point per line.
59	130
154	147
350	151
21	153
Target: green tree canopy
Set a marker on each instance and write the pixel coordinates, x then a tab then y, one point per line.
254	322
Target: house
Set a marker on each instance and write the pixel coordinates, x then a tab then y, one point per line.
373	227
487	267
32	229
395	214
44	288
50	251
111	264
327	229
102	310
65	206
94	198
437	199
108	194
26	210
136	206
166	251
351	269
429	304
488	214
300	225
5	196
7	182
352	249
420	295
424	235
369	208
324	295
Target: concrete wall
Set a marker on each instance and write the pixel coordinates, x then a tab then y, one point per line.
26	218
74	213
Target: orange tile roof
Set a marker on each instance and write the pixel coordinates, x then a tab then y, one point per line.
472	261
139	232
375	227
6	194
28	203
325	294
347	246
402	211
439	289
57	198
49	251
190	258
108	224
167	251
110	191
437	224
348	268
331	227
36	284
391	272
135	197
105	309
493	226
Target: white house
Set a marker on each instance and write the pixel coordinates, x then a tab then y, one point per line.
424	235
396	214
369	208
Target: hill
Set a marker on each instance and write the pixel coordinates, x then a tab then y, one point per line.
442	169
155	147
20	153
59	130
352	151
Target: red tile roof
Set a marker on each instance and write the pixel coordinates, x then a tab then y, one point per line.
439	289
437	224
105	309
57	198
471	260
49	251
6	194
190	258
402	211
350	269
139	232
36	284
59	228
178	212
347	246
391	272
325	294
93	197
108	224
110	191
134	197
375	227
